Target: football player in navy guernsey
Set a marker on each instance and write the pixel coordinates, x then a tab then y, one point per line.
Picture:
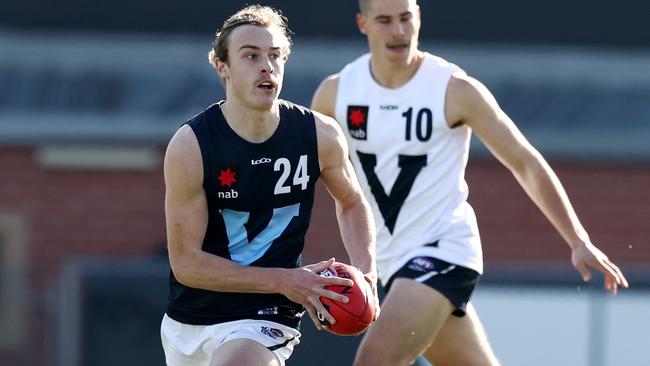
240	180
407	116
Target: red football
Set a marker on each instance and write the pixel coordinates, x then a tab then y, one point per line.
355	316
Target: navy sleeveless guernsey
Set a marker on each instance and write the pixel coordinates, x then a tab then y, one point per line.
260	197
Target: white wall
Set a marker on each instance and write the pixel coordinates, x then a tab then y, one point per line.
541	327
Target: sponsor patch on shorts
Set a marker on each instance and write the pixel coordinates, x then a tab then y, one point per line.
421	264
268	311
272	332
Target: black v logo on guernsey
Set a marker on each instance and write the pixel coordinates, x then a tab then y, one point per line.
390	205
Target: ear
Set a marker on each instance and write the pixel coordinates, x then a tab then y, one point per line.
223	70
361	23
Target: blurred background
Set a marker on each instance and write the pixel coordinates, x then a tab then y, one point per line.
91	92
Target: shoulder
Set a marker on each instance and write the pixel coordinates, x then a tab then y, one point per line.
327	127
183	155
324	99
331	142
330	84
467	97
183	141
462	86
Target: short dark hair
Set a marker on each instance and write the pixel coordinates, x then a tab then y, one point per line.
363	6
262	16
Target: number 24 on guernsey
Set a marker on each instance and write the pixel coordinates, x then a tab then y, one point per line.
300	175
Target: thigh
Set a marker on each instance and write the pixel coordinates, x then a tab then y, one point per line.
462	342
240	342
244	351
185	344
270	339
411	315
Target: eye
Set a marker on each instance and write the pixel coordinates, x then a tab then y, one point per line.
251	56
276	56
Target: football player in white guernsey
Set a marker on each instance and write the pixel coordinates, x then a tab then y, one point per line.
408	116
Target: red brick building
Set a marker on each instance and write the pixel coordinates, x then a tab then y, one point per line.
53	209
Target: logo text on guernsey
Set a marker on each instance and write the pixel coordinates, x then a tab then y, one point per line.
260	161
357	117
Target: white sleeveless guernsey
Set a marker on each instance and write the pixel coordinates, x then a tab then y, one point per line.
410	164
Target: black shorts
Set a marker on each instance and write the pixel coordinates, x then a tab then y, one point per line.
455	282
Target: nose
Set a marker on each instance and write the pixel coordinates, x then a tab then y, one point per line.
267	66
399	29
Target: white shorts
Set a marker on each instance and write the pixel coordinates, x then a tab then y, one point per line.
186	344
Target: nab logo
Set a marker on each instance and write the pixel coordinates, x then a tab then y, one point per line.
260	161
228	194
227	177
357	117
388	107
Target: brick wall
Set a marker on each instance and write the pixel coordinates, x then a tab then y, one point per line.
73	213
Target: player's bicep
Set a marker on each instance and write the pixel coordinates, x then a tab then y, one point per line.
492	125
342	184
186	212
337	172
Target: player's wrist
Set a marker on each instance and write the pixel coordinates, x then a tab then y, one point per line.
277	280
579	244
372	275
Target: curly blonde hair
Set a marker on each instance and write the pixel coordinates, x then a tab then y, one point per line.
262	16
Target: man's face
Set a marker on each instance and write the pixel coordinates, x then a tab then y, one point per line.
255	68
392	28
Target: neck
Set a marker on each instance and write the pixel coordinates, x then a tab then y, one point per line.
393	75
253	125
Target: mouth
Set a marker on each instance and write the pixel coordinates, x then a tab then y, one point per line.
397	46
267	85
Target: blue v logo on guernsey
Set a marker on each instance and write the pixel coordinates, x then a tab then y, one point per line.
242	250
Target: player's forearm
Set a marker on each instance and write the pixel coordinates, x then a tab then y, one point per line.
358	234
544	188
199	269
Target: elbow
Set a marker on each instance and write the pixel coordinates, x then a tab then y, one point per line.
524	159
353	201
182	269
180	273
528	166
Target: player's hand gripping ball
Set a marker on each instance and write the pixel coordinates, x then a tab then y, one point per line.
354	317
